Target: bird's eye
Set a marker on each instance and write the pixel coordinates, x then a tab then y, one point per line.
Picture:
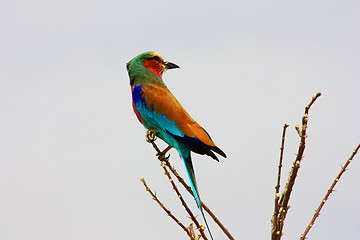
156	58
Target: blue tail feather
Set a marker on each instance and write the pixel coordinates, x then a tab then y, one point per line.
191	174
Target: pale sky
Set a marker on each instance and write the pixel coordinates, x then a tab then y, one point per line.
72	151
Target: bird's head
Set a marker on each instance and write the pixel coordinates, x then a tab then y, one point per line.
150	61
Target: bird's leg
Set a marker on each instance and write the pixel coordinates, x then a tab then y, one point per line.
161	155
150	135
150	138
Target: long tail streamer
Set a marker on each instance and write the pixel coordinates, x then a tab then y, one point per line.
191	174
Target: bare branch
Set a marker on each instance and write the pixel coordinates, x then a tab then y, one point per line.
274	230
165	209
330	190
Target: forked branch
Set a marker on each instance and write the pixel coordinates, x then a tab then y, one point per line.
283	204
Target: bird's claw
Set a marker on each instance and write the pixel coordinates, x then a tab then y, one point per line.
162	157
150	135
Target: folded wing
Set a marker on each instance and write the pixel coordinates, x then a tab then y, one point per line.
160	105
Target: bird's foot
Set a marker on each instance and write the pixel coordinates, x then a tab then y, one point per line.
150	135
161	155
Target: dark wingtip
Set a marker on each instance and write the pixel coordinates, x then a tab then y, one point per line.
215	157
211	154
219	151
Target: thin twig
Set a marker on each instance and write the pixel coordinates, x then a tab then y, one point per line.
188	188
285	197
165	209
330	190
311	103
192	232
277	187
201	229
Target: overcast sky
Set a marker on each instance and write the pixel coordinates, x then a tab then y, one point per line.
72	151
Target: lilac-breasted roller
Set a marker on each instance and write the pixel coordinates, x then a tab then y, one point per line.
157	109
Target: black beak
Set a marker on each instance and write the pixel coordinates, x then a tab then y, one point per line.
170	65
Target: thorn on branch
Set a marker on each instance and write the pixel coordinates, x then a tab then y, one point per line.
298	130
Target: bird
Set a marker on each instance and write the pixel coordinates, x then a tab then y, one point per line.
161	113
